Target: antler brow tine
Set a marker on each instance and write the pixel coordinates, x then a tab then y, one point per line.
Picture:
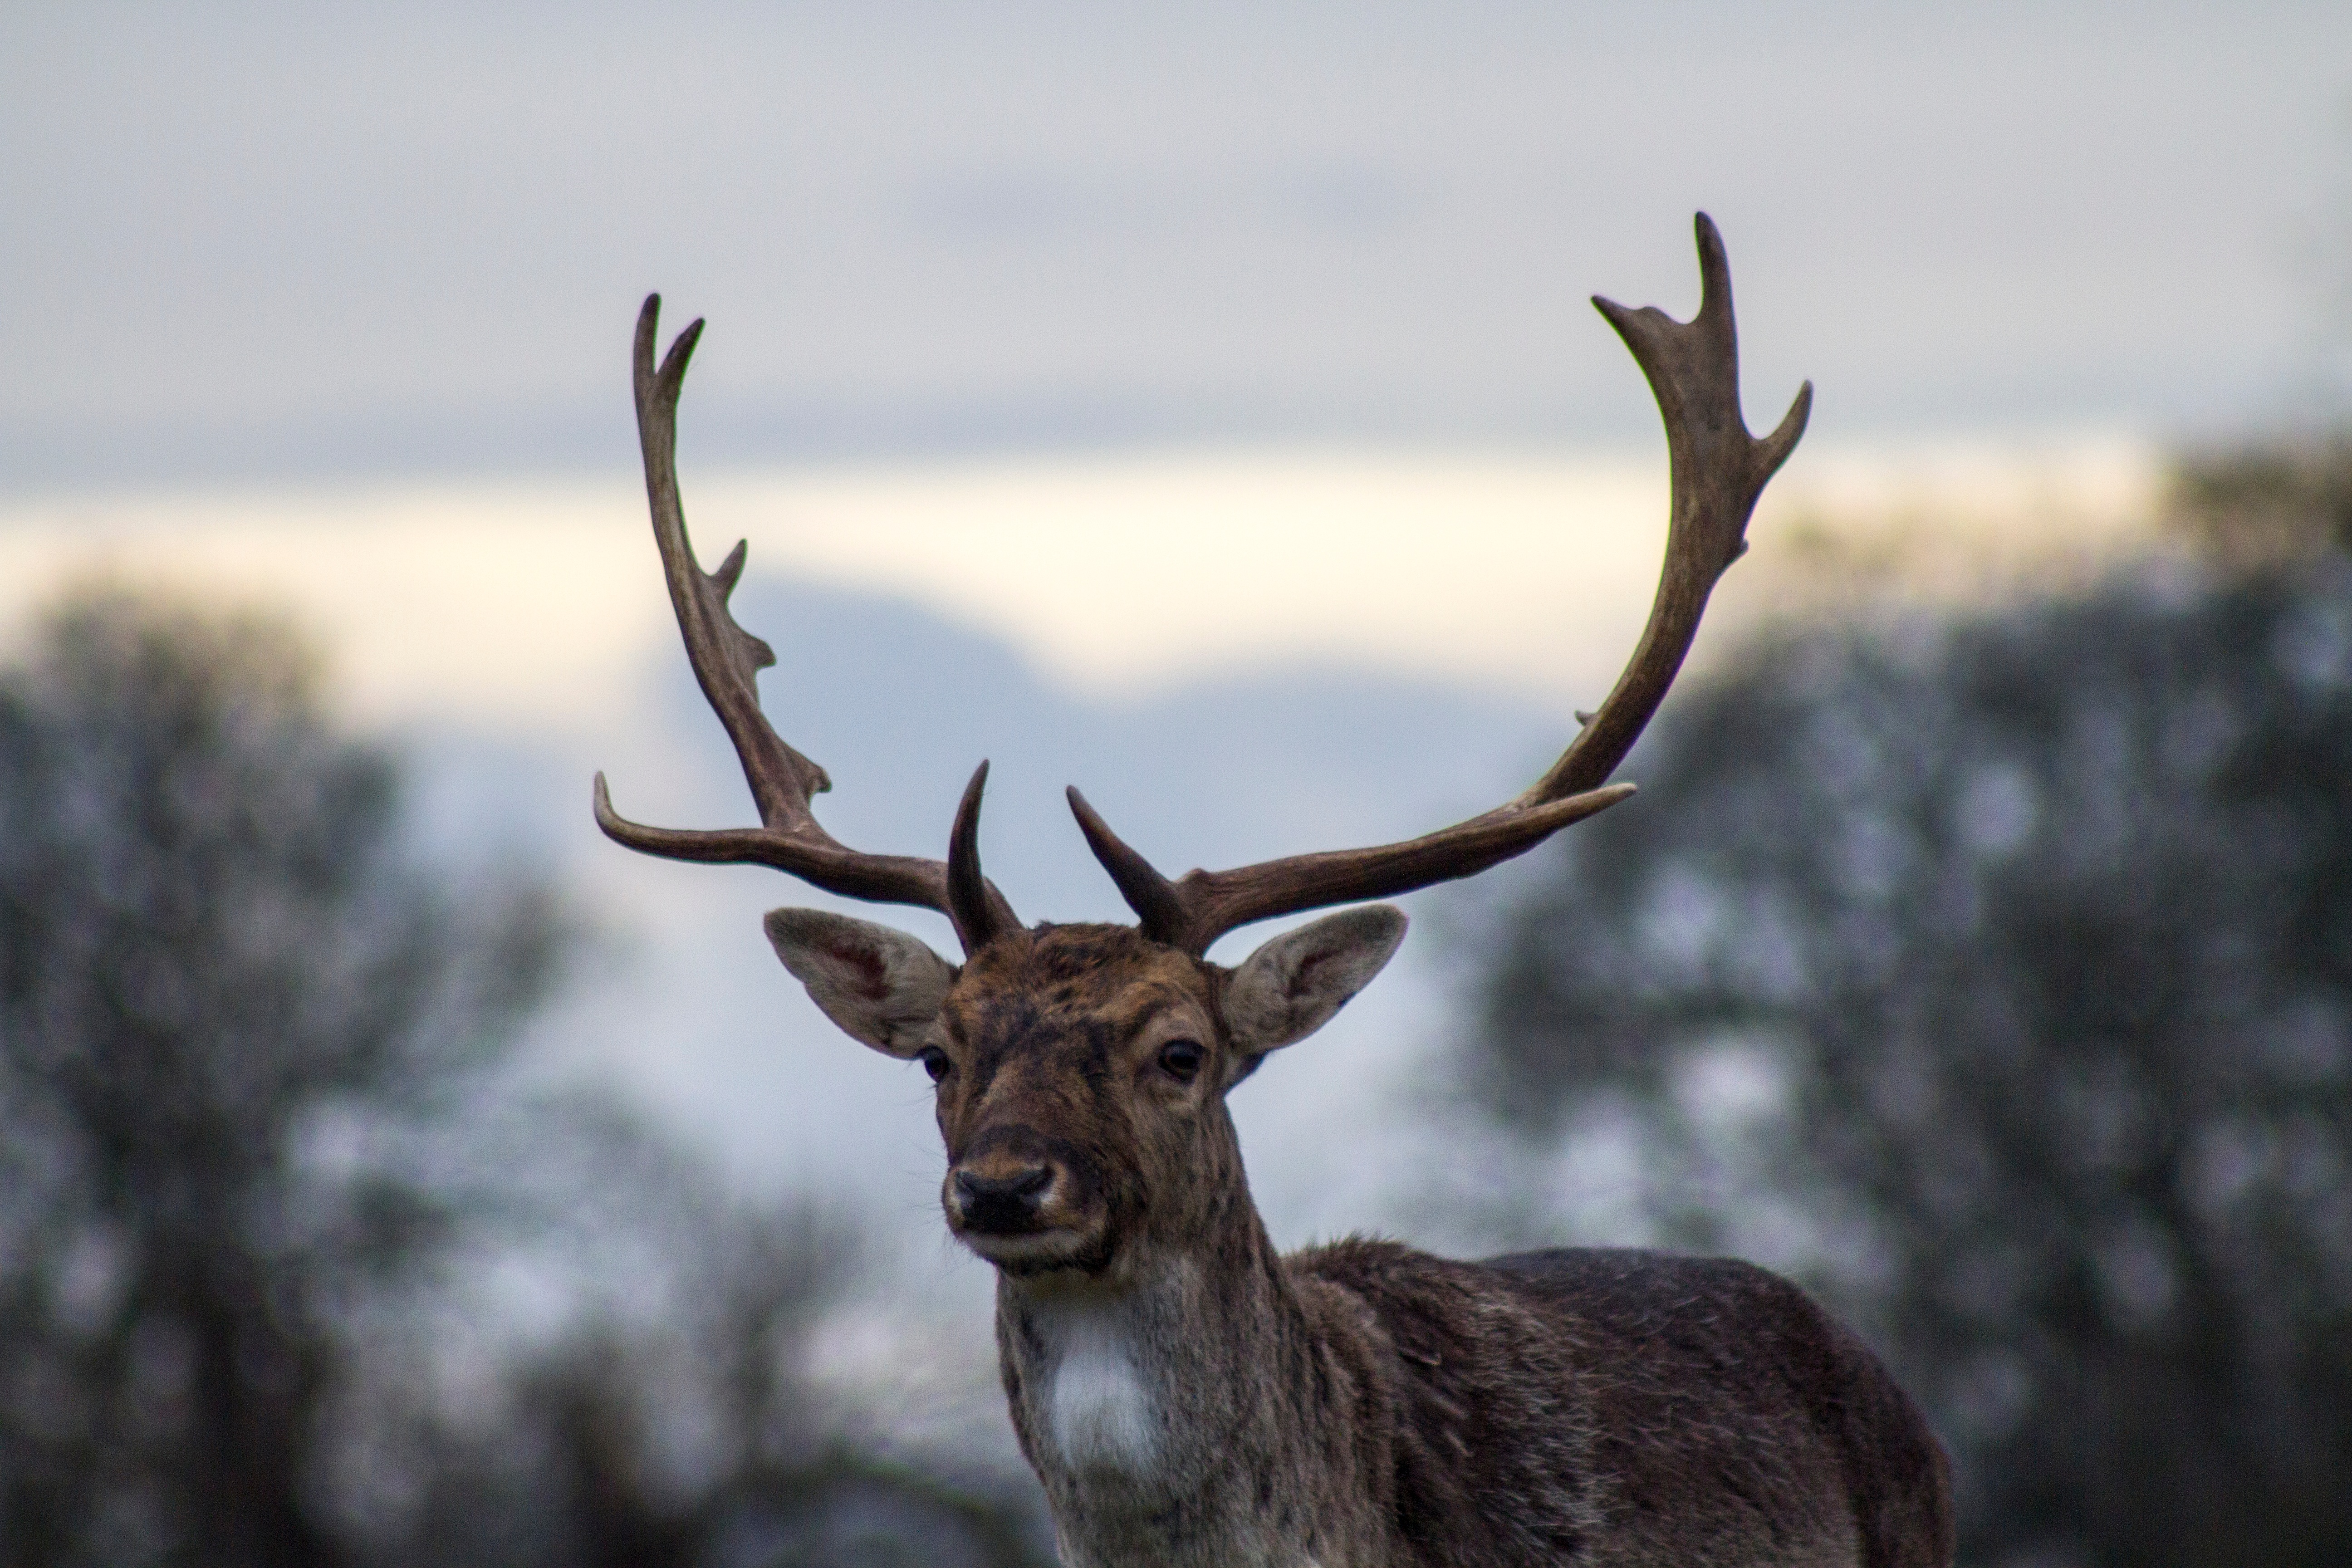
1717	471
727	660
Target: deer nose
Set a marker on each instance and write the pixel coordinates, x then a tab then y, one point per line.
1002	1203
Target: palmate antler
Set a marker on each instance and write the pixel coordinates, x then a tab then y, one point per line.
1719	471
727	660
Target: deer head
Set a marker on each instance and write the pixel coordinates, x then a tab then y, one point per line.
1082	1070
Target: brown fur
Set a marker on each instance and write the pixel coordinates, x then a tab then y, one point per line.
1190	1397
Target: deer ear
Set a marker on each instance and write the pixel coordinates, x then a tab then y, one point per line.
1290	987
882	986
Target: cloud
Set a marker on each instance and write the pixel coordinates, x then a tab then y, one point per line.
250	238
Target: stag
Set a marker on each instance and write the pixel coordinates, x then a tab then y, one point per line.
1189	1396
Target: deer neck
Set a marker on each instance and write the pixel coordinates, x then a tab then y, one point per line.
1192	1409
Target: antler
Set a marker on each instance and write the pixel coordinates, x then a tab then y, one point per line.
727	660
1719	471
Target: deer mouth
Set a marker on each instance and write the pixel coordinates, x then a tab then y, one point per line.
1085	1249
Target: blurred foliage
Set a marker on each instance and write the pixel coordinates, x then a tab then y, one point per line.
1995	974
2273	501
271	1202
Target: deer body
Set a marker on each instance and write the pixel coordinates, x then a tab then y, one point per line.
1366	1404
1190	1397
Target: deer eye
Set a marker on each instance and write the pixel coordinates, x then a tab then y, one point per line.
1181	1059
934	1060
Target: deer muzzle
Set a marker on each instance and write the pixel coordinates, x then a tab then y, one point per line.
1000	1205
1024	1204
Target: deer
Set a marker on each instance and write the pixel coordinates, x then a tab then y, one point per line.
1190	1397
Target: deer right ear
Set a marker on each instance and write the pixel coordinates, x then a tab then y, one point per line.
884	987
1290	987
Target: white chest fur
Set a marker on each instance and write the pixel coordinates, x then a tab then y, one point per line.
1152	1451
1100	1406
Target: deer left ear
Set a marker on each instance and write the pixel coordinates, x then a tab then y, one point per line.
882	986
1291	986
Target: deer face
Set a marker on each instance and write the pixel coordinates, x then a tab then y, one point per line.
1081	1071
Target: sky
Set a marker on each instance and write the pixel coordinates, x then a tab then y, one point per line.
252	241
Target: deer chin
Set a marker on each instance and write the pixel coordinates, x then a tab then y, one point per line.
1082	1250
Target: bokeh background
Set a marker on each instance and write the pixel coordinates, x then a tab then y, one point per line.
1200	406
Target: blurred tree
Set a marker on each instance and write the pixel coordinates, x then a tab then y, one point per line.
673	1426
223	993
1997	976
2260	505
260	1182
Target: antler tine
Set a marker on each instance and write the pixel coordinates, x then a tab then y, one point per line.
1717	471
978	911
727	660
1198	907
1162	911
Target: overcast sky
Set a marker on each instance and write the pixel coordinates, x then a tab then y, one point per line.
265	239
